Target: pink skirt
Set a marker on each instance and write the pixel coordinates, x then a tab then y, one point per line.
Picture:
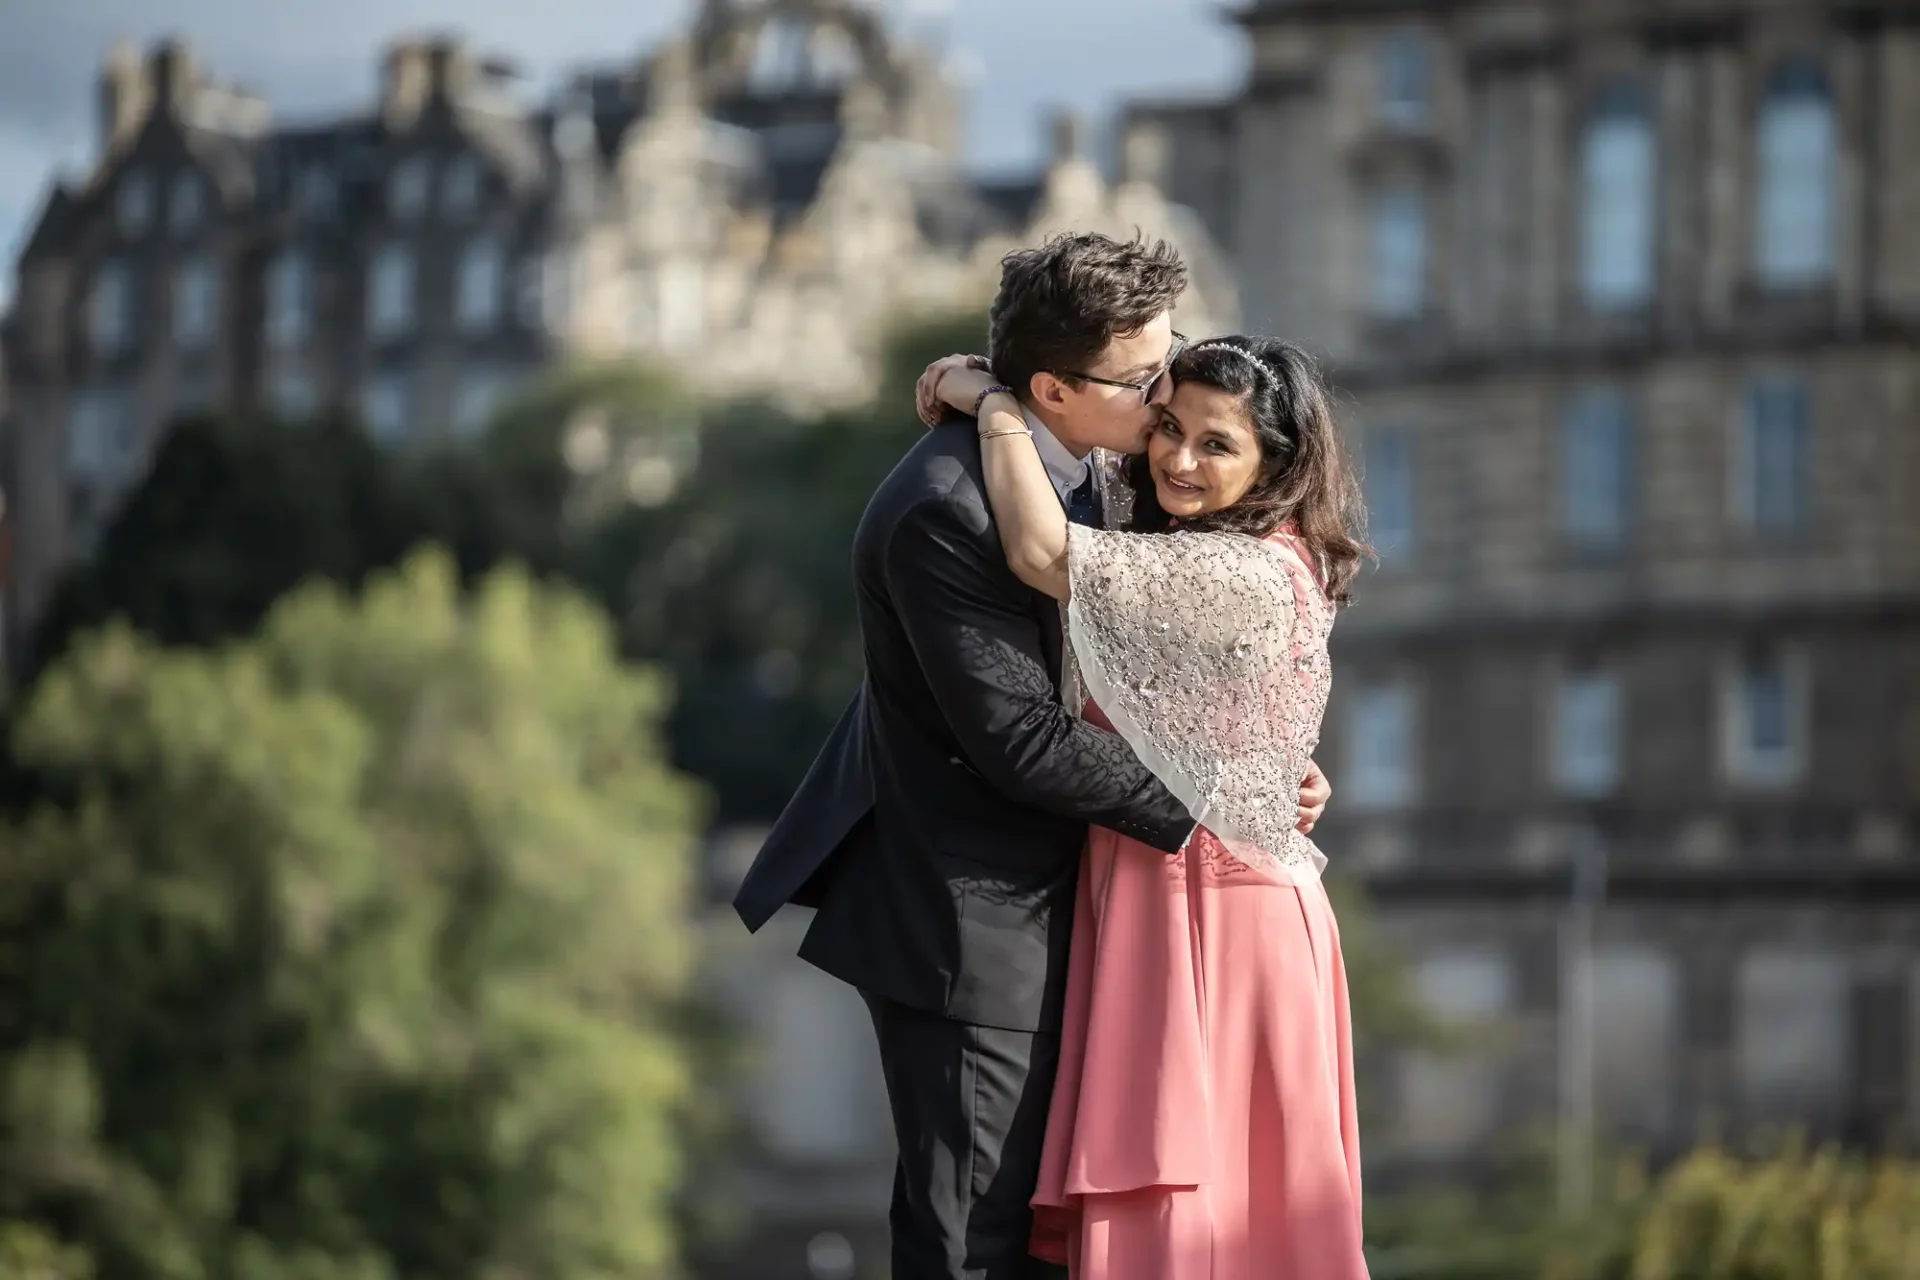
1203	1125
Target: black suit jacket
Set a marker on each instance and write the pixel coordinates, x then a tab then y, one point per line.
939	832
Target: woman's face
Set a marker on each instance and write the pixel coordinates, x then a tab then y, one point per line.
1203	455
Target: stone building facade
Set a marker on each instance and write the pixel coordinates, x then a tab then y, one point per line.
753	202
1622	298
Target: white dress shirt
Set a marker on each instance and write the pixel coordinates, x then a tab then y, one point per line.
1066	471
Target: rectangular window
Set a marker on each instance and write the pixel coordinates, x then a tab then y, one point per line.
1618	177
1453	1101
110	309
482	271
387	408
1764	718
99	435
133	207
1596	468
187	204
390	292
1586	737
289	299
1405	70
1798	172
460	187
1399	252
1770	471
1388	484
407	189
1636	1017
196	303
1382	766
1794	1036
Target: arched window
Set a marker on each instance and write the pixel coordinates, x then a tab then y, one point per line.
1617	198
1794	242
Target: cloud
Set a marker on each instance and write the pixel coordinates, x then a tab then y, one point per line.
1028	55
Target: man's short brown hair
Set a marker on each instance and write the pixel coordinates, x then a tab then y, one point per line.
1060	305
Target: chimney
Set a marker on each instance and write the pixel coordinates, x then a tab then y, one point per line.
1069	134
174	76
406	80
126	97
672	84
451	70
1144	152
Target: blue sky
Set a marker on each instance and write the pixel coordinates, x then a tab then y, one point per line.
1021	57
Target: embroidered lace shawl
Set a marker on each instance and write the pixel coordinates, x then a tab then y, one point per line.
1208	653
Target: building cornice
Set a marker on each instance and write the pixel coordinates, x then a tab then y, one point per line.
1444	362
1466	621
1896	886
1268	13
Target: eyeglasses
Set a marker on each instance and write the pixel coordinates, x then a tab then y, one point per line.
1147	388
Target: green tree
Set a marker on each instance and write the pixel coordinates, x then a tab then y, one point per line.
1793	1215
358	949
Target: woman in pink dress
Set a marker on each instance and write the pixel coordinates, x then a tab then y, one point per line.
1203	1121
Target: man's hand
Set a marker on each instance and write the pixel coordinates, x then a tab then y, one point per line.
1315	791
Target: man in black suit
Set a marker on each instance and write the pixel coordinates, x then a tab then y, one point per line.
939	833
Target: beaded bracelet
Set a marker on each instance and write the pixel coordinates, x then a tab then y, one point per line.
981	399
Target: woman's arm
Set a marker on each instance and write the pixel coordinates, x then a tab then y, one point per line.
1026	507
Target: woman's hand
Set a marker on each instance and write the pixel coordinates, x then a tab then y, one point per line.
951	382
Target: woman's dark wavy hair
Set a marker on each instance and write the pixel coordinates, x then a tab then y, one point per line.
1305	478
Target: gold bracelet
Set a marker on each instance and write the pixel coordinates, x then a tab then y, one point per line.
1005	431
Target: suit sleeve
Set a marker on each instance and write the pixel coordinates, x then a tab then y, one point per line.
978	644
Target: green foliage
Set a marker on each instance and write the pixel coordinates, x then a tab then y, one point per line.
360	949
1798	1215
28	1253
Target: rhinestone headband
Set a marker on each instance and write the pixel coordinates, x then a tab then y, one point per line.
1255	360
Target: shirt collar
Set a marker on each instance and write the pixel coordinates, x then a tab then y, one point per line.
1066	471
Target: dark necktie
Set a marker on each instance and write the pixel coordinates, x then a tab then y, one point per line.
1082	508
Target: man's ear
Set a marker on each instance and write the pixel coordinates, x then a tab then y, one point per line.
1048	390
